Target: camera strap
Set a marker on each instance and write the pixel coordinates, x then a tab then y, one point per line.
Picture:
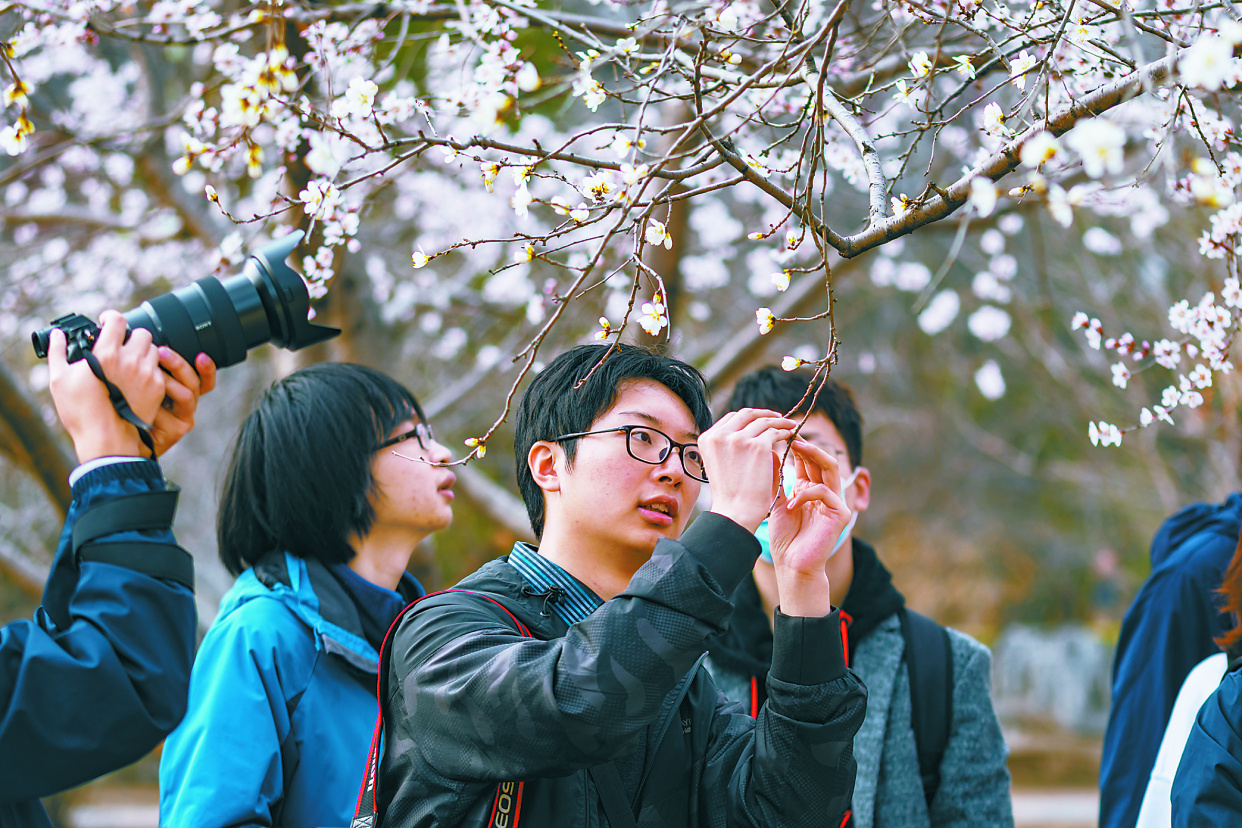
121	404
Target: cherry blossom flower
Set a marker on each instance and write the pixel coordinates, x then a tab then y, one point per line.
994	121
765	319
1039	149
1201	377
490	170
527	78
983	196
653	319
781	280
17	93
920	65
320	198
902	95
1019	67
1079	321
990	381
1208	63
520	201
1121	374
1168	354
420	259
599	186
940	312
1100	143
989	323
605	329
656	234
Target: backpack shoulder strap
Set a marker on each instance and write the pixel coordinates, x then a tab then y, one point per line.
929	659
366	814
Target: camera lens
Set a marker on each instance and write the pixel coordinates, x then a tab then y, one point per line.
224	319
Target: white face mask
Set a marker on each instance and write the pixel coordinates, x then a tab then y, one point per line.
762	532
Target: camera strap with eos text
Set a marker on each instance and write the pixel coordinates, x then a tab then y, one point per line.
507	805
120	403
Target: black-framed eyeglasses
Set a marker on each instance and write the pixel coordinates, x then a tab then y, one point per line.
652	446
421	433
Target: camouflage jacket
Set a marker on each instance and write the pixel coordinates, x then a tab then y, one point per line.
471	703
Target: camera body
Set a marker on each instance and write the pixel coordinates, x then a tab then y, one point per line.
223	318
80	333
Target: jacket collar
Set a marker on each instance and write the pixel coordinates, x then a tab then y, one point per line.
314	595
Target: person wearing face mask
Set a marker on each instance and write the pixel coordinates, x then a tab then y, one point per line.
933	755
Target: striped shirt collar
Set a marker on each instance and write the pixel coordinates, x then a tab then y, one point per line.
576	601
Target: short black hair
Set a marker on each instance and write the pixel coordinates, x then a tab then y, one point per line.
552	406
300	477
780	390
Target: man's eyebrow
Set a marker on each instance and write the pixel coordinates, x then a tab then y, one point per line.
655	422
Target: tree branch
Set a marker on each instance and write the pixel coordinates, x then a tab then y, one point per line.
945	202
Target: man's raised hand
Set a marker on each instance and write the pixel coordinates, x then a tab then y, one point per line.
82	401
739	454
803	530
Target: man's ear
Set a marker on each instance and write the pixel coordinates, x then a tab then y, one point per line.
862	489
544	459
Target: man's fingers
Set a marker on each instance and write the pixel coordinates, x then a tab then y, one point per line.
816	465
179	370
817	493
112	329
57	351
206	373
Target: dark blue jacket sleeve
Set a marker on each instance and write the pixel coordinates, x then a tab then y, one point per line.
1207	791
1167	631
100	675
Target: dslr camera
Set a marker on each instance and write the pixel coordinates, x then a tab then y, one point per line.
266	302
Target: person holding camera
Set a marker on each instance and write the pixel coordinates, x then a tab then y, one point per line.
99	676
334	480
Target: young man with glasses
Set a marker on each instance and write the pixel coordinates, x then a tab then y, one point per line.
904	781
563	684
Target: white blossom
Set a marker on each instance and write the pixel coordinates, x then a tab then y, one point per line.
1208	63
1099	142
983	196
940	312
989	323
990	381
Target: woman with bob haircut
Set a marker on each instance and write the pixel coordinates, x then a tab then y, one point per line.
333	481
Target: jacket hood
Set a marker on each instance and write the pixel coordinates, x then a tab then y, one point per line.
313	594
1224	519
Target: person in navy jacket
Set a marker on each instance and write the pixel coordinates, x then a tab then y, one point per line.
1169	629
1207	789
100	675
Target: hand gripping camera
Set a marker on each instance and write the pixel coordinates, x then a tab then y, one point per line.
266	302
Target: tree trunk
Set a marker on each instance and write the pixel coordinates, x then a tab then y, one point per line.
32	446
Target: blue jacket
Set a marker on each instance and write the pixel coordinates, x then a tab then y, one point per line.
282	706
100	675
1167	631
1207	791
